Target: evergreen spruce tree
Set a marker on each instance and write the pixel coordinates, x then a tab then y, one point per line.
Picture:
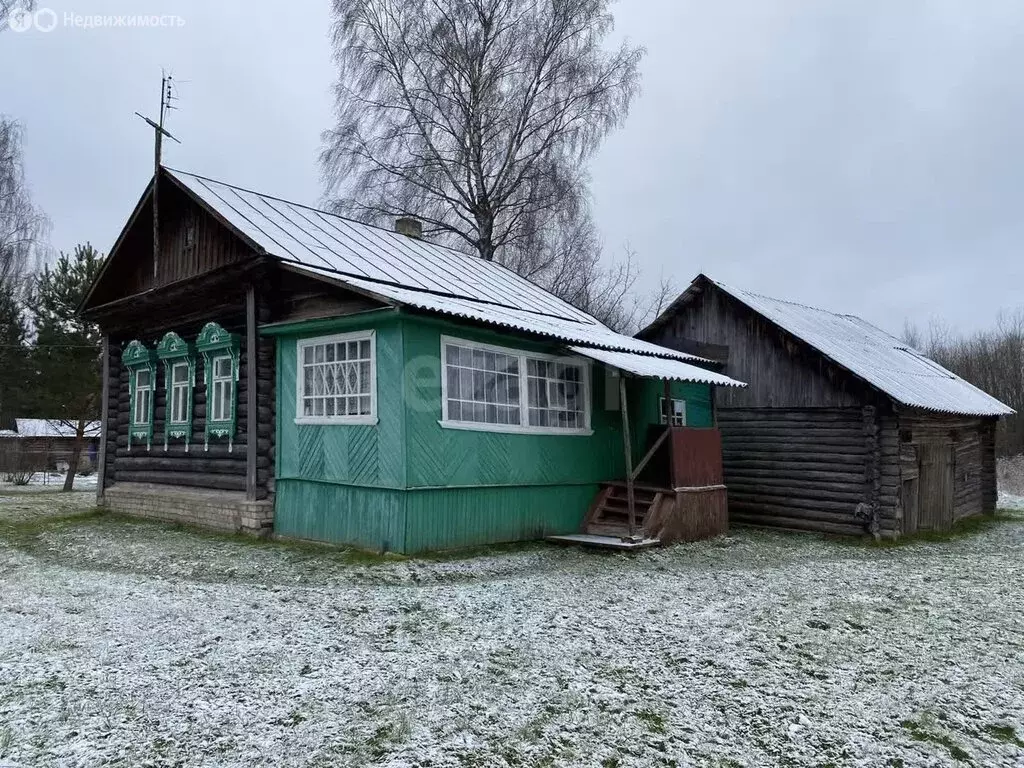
67	349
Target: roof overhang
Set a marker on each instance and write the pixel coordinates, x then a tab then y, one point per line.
657	367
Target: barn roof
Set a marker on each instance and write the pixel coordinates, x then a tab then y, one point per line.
882	360
403	270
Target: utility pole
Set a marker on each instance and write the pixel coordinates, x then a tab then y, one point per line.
166	97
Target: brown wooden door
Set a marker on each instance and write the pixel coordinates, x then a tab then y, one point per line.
935	492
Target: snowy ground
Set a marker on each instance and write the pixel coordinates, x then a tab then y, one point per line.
133	644
52	481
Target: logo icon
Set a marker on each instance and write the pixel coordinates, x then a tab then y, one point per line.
20	20
45	19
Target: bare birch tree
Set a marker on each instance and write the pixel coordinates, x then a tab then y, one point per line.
478	117
23	228
22	225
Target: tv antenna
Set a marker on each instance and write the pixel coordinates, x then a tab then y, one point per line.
167	97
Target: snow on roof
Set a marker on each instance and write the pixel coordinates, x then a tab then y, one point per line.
657	368
406	270
53	428
884	361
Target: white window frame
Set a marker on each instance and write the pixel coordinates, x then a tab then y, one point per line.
523	428
173	386
302	344
212	399
661	410
135	403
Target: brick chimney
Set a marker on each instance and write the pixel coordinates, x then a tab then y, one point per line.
409	226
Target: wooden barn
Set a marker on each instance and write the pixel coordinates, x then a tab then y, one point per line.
275	368
843	428
37	445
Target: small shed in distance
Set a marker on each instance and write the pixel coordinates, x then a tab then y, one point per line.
40	444
843	428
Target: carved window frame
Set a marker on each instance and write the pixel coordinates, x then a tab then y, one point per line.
174	351
138	357
215	342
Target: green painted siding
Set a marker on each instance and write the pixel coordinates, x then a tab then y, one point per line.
351	454
367	518
465	517
408	485
444	457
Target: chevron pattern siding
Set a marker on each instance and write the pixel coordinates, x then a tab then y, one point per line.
352	454
407	485
440	457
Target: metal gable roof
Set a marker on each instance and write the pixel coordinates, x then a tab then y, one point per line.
322	240
903	373
405	270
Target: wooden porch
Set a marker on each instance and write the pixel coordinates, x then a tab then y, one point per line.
676	492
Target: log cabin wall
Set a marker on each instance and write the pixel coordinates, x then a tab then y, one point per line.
203	275
214	468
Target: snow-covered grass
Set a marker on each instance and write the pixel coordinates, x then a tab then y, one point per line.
43	481
127	644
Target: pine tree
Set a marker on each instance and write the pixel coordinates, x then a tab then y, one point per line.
67	349
14	352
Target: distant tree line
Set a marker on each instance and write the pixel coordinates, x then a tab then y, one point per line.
992	360
49	356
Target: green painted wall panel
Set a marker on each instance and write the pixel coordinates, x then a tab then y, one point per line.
464	517
367	518
369	455
441	457
408	485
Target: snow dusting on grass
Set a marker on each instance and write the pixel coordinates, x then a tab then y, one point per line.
125	643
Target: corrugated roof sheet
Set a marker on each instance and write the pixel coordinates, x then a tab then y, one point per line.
657	367
884	361
406	270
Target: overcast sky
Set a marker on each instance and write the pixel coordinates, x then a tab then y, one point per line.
863	156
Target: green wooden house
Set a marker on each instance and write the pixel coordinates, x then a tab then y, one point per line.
275	368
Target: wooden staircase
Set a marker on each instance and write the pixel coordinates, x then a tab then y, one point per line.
607	522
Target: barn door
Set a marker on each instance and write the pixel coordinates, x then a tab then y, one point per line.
910	506
935	492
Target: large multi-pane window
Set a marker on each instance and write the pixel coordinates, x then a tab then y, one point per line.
493	388
143	396
482	385
337	379
555	392
223	384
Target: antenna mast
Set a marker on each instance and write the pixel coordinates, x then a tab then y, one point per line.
166	97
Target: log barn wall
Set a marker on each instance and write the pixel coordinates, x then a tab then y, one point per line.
811	468
809	446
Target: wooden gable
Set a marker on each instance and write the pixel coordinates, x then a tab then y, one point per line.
781	369
192	242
